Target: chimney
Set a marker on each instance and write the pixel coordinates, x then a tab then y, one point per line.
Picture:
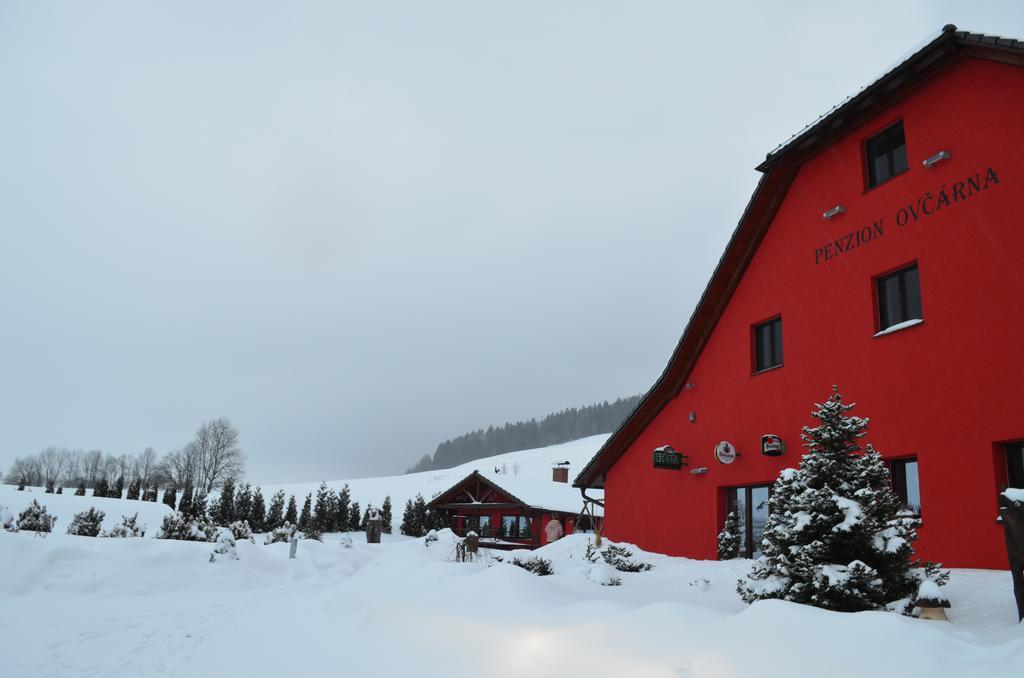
560	472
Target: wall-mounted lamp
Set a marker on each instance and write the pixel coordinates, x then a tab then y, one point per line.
699	471
936	159
693	417
835	211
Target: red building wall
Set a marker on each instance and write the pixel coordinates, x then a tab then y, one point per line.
946	391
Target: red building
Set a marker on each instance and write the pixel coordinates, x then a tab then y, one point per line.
519	513
881	251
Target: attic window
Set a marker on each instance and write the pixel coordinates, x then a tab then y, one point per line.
886	155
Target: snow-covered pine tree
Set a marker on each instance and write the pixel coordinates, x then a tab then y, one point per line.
49	487
421	520
101	489
21	484
729	538
344	501
243	502
177	525
185	503
87	523
223	512
306	516
385	515
133	490
80	492
291	514
834	537
408	526
35	518
258	512
152	493
322	515
199	508
171	497
275	516
60	489
354	517
117	489
128	528
281	533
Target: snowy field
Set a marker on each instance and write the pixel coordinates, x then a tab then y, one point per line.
80	606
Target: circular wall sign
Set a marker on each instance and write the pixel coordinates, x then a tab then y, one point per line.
725	453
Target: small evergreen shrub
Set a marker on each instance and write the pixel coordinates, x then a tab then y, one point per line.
87	523
80	492
225	547
613	581
35	518
729	538
240	530
312	532
128	528
186	528
537	565
619	557
283	533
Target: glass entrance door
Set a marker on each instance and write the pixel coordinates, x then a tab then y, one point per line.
750	504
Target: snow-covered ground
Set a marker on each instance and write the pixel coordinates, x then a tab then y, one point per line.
80	606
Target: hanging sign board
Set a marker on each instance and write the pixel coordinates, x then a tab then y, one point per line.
666	457
725	453
772	445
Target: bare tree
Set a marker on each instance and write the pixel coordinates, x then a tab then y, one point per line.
179	467
27	470
52	461
218	454
73	469
92	467
146	466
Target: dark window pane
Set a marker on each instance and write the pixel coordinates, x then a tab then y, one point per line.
912	287
777	341
899	159
1015	465
899	298
768	345
886	155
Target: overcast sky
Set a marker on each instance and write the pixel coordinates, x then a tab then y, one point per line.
357	230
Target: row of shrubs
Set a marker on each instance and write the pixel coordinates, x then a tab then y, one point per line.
89	523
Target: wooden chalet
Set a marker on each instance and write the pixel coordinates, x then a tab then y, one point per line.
526	516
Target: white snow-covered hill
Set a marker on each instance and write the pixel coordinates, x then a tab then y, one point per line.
526	474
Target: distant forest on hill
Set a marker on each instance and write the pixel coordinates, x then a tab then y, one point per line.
561	427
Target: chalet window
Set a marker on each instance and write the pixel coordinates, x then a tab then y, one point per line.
768	345
515	527
524	528
484	524
886	155
899	297
906	485
1015	465
750	504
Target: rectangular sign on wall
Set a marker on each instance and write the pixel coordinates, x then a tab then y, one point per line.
666	457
